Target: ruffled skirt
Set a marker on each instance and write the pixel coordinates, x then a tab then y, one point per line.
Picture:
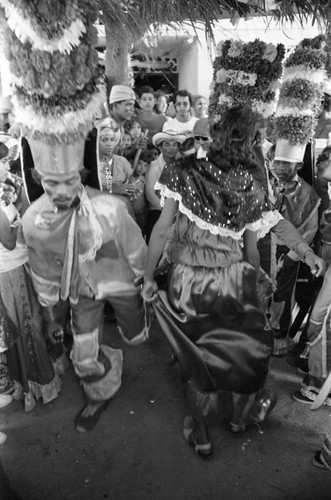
30	357
212	319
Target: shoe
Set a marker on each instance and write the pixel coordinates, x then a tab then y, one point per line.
5	400
237	428
87	423
298	396
302	398
205	449
255	411
317	461
266	400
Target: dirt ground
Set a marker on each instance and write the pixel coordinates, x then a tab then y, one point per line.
137	451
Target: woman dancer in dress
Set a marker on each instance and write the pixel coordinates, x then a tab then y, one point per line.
210	313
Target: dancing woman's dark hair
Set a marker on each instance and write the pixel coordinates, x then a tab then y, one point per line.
233	139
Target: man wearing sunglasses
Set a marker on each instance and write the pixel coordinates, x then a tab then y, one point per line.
201	137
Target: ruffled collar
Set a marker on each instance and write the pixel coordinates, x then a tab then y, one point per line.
222	203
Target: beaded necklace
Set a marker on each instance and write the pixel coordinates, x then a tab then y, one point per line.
108	171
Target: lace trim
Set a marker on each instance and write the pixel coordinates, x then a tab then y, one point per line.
45	392
261	226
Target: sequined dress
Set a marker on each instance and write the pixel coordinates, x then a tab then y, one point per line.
210	312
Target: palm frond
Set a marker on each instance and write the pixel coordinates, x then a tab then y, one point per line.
209	11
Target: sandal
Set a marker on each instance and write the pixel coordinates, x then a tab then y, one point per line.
264	403
318	462
87	423
205	449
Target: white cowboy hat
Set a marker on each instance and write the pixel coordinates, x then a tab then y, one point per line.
168	135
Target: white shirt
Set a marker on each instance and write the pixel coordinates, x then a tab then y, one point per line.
184	128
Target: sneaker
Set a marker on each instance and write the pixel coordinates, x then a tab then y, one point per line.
298	396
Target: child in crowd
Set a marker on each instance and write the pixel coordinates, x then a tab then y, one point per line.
135	129
297	201
152	153
127	142
150	120
139	199
161	102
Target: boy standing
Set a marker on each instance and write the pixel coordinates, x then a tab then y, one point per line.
297	201
149	120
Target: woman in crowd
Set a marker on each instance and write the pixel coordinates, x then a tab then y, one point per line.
22	332
200	106
211	314
114	171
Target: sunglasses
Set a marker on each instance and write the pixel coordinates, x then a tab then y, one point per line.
201	138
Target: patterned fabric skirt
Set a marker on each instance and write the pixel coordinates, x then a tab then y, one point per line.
213	322
25	346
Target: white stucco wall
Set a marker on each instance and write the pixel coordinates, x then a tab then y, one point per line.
195	68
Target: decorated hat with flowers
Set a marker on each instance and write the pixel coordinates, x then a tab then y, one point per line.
57	87
246	74
300	99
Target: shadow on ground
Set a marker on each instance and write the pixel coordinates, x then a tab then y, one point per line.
137	451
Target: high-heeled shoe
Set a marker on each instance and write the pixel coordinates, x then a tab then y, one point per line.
203	449
265	401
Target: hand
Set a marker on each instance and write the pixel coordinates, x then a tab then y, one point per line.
317	264
142	143
149	291
7	194
54	332
126	189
